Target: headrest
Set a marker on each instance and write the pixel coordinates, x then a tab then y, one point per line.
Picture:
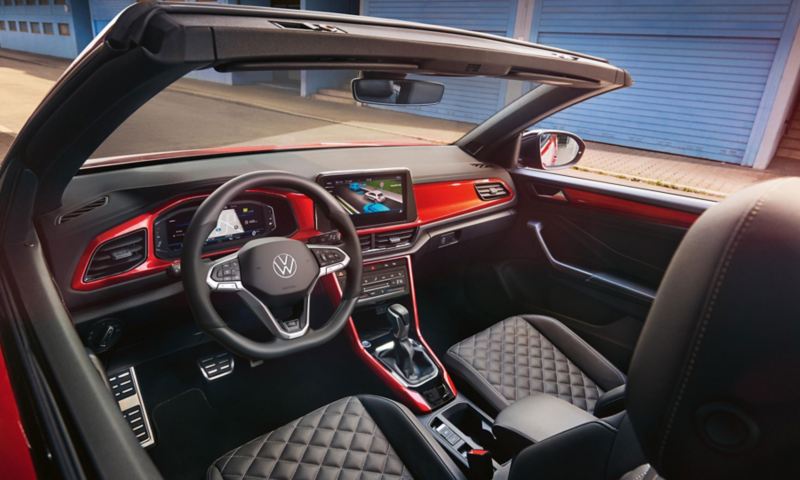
714	384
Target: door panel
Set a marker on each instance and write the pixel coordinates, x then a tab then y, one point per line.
593	254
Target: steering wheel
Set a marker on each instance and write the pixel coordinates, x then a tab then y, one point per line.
270	273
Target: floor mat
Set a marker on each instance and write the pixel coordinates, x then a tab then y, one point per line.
196	421
187	422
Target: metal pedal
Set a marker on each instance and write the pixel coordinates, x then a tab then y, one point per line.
216	366
125	388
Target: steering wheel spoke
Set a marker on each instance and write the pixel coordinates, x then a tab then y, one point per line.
224	274
330	259
274	276
281	329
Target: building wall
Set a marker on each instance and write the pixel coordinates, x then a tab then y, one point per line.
467	100
47	27
704	73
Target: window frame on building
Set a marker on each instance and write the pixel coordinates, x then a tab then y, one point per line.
35	27
64	29
47	28
23	26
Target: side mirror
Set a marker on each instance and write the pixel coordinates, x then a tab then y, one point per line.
550	149
397	91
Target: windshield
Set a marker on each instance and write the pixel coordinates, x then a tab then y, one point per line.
299	108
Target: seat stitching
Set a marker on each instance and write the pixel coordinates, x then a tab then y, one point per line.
706	317
481	378
584	343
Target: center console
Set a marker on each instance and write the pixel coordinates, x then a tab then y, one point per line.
385	332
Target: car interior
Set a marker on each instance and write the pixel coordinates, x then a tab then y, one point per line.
381	311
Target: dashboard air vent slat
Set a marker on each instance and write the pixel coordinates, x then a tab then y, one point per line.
366	242
491	191
394	238
117	256
82	210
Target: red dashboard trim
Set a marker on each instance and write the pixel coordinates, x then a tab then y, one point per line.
442	200
301	205
411	397
435	202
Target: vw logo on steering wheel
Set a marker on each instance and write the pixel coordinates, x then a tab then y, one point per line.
284	265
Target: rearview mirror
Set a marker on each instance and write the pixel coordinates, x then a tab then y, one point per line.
550	149
397	91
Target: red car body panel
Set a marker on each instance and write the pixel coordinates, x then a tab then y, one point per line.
15	455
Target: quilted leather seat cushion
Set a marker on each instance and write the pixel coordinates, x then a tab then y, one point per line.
341	440
529	354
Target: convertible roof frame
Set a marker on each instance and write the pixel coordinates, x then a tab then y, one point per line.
150	45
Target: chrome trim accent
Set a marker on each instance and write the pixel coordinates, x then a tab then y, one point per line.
277	325
137	401
217	377
223	286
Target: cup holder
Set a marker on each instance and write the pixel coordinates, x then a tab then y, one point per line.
474	428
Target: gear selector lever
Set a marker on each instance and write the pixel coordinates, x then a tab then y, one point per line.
400	319
404	356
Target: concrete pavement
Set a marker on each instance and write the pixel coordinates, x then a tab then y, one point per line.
195	114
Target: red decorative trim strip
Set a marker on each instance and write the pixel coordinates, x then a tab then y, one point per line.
302	207
630	207
411	397
443	200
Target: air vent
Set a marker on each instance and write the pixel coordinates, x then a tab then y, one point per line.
81	210
394	239
365	241
491	191
117	256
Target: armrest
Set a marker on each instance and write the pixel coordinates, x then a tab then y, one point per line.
611	402
535	418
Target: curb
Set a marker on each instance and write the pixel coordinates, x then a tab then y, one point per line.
652	181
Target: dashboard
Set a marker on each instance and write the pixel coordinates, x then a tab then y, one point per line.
131	221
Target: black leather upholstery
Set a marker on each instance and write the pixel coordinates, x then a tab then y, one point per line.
363	437
713	390
535	418
528	354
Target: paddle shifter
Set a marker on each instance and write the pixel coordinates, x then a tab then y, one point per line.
400	319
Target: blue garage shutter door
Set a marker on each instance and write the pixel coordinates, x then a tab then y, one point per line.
466	100
699	70
103	11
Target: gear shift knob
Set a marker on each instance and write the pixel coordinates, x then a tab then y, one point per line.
400	319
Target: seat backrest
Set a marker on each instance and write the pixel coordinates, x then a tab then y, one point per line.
713	387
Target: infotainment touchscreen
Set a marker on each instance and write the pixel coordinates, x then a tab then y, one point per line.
373	198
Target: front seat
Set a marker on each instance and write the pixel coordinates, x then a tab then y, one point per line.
364	437
712	390
528	354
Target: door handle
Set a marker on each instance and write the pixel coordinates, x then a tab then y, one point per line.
604	280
